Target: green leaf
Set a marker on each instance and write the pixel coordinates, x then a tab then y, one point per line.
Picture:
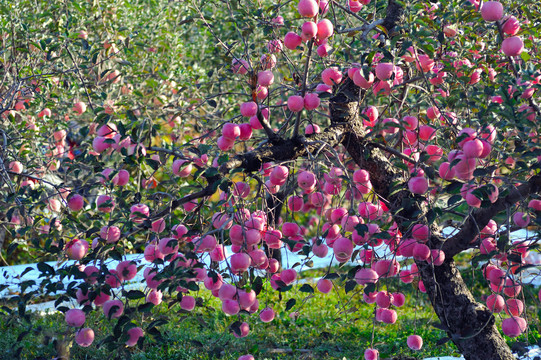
482	257
155	165
479	172
307	289
257	285
350	285
453	200
369	288
503	241
145	308
11	248
454	187
135	294
290	303
45	269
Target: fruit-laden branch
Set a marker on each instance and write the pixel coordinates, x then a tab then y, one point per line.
284	150
480	218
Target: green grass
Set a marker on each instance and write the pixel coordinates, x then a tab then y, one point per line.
333	326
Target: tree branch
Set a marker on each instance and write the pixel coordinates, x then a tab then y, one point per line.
480	218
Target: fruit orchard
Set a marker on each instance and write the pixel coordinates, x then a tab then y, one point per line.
389	135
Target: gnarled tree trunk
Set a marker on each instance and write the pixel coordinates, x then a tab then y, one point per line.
469	324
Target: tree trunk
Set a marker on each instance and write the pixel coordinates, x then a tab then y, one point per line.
470	325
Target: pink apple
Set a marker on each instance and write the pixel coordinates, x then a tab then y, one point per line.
246	357
111	234
425	64
520	219
323	50
324	286
187	303
365	276
331	76
388	316
371	354
343	248
473	148
240	66
398	299
514	326
384	70
267	315
240	263
79	107
308	30
421	252
279	174
306	180
513	46
361	81
383	299
324	29
492	10
84	337
230	131
105	203
288	276
514	307
355	6
274	46
113	309
16	167
75	317
248	109
292	40
265	78
126	270
308	8
75	202
311	101
495	303
76	249
420	232
225	144
511	26
133	336
415	342
535	204
182	170
230	307
418	185
295	103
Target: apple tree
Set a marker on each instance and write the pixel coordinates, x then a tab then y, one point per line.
394	134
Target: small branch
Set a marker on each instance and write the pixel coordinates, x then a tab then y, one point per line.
394	152
304	80
335	3
80	78
364	28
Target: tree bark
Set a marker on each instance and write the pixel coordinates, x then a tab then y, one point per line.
470	325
